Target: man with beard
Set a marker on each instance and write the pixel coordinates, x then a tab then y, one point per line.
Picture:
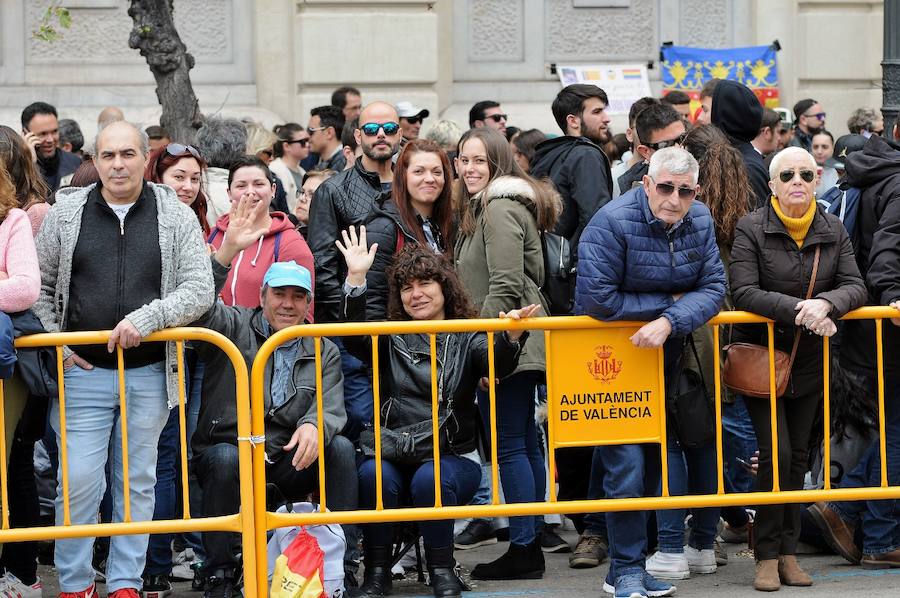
810	118
342	201
40	128
575	163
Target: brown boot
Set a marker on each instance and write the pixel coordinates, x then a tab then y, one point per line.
790	572
767	576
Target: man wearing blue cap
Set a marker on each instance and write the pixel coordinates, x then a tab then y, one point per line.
290	400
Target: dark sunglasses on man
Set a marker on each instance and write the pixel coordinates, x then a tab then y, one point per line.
177	149
371	129
413	120
668	143
819	115
496	117
786	176
667	189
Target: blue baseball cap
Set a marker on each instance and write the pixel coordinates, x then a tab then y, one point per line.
288	274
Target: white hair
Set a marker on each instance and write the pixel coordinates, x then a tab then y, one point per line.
790	152
674	160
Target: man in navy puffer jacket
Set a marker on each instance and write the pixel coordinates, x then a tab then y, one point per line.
649	255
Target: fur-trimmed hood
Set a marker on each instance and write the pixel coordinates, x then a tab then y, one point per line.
511	187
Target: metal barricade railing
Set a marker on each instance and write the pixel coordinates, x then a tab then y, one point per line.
268	520
242	522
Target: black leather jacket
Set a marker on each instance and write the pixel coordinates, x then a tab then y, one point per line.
343	200
405	374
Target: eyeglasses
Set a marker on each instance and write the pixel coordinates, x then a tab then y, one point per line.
312	130
819	115
302	142
667	189
371	129
177	149
669	143
413	120
497	117
786	176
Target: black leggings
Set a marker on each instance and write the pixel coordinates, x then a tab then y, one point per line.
20	558
777	527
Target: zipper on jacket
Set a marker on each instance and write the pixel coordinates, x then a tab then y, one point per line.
120	282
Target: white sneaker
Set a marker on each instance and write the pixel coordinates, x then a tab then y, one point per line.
668	565
701	561
13	587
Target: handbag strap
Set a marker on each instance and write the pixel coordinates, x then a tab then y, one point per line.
697	358
809	292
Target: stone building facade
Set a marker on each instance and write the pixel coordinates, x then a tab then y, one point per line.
275	59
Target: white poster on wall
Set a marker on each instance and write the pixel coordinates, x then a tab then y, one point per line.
624	84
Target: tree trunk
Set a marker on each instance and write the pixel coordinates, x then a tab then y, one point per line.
154	34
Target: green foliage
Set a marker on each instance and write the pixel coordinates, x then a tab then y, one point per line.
55	15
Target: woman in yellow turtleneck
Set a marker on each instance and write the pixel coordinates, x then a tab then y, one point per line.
771	267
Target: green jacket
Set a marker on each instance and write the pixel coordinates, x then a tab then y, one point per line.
501	264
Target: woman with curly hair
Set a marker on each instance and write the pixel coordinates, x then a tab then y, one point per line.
501	212
422	286
28	185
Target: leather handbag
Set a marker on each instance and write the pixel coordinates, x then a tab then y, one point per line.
746	368
407	445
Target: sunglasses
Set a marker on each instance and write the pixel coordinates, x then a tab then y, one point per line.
177	149
497	117
786	176
819	115
413	120
667	189
302	142
669	143
371	129
312	130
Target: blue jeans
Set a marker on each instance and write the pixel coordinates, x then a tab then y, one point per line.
632	471
414	485
880	519
518	450
738	441
359	401
159	548
94	434
691	471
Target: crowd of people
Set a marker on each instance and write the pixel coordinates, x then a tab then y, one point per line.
367	213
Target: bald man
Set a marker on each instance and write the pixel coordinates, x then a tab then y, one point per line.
345	200
110	114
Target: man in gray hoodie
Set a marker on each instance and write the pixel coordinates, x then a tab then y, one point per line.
127	256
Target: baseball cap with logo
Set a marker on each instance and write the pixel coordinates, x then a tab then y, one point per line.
288	274
408	110
844	146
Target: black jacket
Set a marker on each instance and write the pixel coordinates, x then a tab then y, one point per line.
343	200
405	374
738	113
801	139
876	171
246	328
53	169
633	175
769	275
580	172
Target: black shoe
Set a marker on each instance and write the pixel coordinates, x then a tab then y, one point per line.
198	584
377	572
478	532
444	578
519	562
551	542
220	585
156	586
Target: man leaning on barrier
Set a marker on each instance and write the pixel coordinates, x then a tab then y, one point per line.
648	255
292	441
124	255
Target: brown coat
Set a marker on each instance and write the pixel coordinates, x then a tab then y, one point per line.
769	275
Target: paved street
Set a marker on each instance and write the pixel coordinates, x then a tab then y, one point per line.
833	579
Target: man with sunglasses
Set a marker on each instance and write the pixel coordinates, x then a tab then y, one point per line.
649	255
809	117
488	113
737	112
340	202
325	126
657	126
411	119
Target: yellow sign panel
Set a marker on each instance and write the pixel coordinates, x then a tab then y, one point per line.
602	389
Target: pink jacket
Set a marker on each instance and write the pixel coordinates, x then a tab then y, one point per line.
20	276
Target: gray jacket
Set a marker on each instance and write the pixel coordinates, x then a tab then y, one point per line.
186	286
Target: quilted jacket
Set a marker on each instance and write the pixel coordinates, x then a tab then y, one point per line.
630	265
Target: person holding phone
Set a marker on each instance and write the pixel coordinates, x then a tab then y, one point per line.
40	129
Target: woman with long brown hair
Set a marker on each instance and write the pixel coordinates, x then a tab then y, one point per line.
30	189
419	211
499	256
181	167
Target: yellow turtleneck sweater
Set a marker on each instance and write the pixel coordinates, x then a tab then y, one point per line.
796	227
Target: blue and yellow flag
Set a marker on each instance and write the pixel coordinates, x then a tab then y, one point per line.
687	69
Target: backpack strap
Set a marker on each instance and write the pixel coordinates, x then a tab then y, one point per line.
401	239
277	245
213	235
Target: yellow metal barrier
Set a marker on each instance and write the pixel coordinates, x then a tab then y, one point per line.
241	523
267	520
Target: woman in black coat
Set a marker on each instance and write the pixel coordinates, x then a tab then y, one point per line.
771	266
422	286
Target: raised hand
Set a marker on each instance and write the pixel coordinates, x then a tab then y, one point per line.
517	314
357	255
245	227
